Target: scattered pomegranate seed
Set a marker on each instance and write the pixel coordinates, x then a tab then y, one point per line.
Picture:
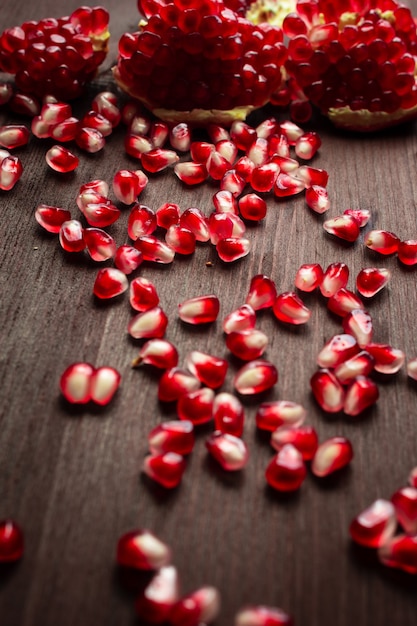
65	131
362	216
400	552
24	104
98	122
173	436
252	207
262	177
14	136
75	383
387	360
317	199
370	280
360	395
196	406
166	469
286	471
157	352
101	214
6	93
128	185
382	241
336	350
412	368
307	145
127	259
210	370
142	550
168	214
217	133
71	236
289	308
201	150
233	182
180	239
11	541
243	318
242	135
225	202
55	112
229	451
141	222
331	456
359	324
143	295
106	104
110	282
225	225
61	159
216	165
154	250
137	146
90	139
158	159
51	218
405	504
158	599
407	252
228	414
328	391
247	344
201	606
272	415
103	385
262	292
262	616
11	170
343	302
99	244
180	137
151	324
335	277
311	176
97	185
195	221
175	382
304	438
344	227
190	173
255	377
158	134
309	277
199	310
375	525
361	364
286	185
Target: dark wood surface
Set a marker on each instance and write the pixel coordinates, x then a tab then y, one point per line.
72	477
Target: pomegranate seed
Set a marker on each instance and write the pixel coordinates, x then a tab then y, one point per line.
328	391
335	277
23	104
105	103
225	202
285	164
139	125
165	469
232	249
262	616
228	414
258	151
173	436
224	226
375	525
190	173
344	227
407	252
101	214
88	197
243	318
387	360
90	139
110	282
142	550
400	552
360	395
307	145
127	259
158	134
317	199
61	159
158	159
227	149
99	244
155	250
289	308
255	377
412	478
193	220
286	471
151	324
359	324
303	438
272	415
371	280
97	185
103	385
405	503
233	182
55	112
382	241
199	310
128	185
217	133
267	128
11	541
141	222
196	406
344	302
361	364
175	382
14	136
262	292
201	150
201	606
247	344
167	215
244	168
331	456
180	239
309	277
262	178
159	597
6	93
143	295
412	369
96	121
157	352
362	216
65	131
252	207
137	146
41	129
216	165
51	218
291	131
11	170
229	451
71	236
75	383
242	135
337	350
287	185
312	176
210	370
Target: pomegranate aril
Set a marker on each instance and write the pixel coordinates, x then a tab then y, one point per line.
137	146
180	239
156	602
139	124
190	173
14	136
217	133
272	415
199	310
141	222
110	283
225	202
289	308
71	236
97	185
405	503
65	131
143	294
331	456
228	414
41	129
262	177
242	135
286	185
6	93
291	131
311	176
180	137
201	606
375	525
262	292
141	549
382	241
158	159
11	541
359	324
255	377
173	436
75	383
407	252
51	218
387	360
106	104
195	221
317	199
361	364
11	170
304	438
154	250
307	145
101	215
103	385
243	318
308	277
90	140
370	280
23	104
157	352
360	395
96	121
344	227
258	151
86	197
100	245
165	469
151	324
286	165
128	184
343	302
362	216
335	277
61	159
229	451
262	616
216	165
412	368
232	249
233	182
337	350
252	207
175	382
127	259
201	150
327	390
55	112
210	370
400	552
196	406
167	215
247	344
286	471
225	225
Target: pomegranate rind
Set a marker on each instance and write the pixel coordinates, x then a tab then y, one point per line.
369	121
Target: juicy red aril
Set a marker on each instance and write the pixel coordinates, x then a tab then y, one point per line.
43	130
109	283
233	182
75	383
23	104
224	225
157	352
136	146
71	236
258	151
304	438
158	159
103	385
360	395
387	360
90	140
51	218
139	124
61	159
272	415
400	552
201	606
252	207
255	377
335	277
370	280
228	414
291	131
154	250
286	471
361	364
143	295
286	185
405	503
165	469
180	137
195	221
308	277
382	241
225	202
201	150
98	122
11	541
375	525
229	451
127	259
156	602
196	406
331	456
267	128
90	196
190	173
11	170
101	214
180	239
227	149
286	165
307	145
344	302
243	318
262	292
328	391
210	370
407	252
100	245
64	131
97	185
344	227
289	308
242	134
174	436
105	103
128	184
142	550
247	344
141	222
317	199
362	216
412	369
199	310
13	136
216	165
55	112
262	616
151	324
359	324
337	350
167	215
262	178
232	249
175	382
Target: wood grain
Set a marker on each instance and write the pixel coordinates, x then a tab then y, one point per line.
71	477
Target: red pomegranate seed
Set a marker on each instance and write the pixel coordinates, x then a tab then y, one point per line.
216	165
255	377
387	360
90	140
75	383
244	168
165	469
158	159
71	236
141	222
55	112
225	202
158	134
127	259
233	182
405	503
361	364
190	173
286	185
65	131
312	176
307	145
412	368
141	549
335	277
139	124
97	185
232	249
286	471
11	170
228	414
180	239
199	310
180	137
100	245
11	541
344	302
151	324
400	552
61	159
157	352
175	382
247	344
143	294
375	525
101	214
24	104
289	308
360	395
359	324
337	350
370	280
105	103
14	136
262	177
407	252
243	318
242	135
252	207
201	150
272	415
137	146
412	478
278	146
154	250
267	128
88	197
227	149
291	131
262	292
331	456
285	164
196	406
317	199
173	436
128	185
304	438
362	216
110	282
344	227
51	218
258	151
193	220
41	129
210	370
382	241
96	121
103	385
225	225
201	606
262	616
229	451
309	277
167	215
217	133
328	391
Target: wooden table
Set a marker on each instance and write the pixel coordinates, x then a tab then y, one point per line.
72	477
